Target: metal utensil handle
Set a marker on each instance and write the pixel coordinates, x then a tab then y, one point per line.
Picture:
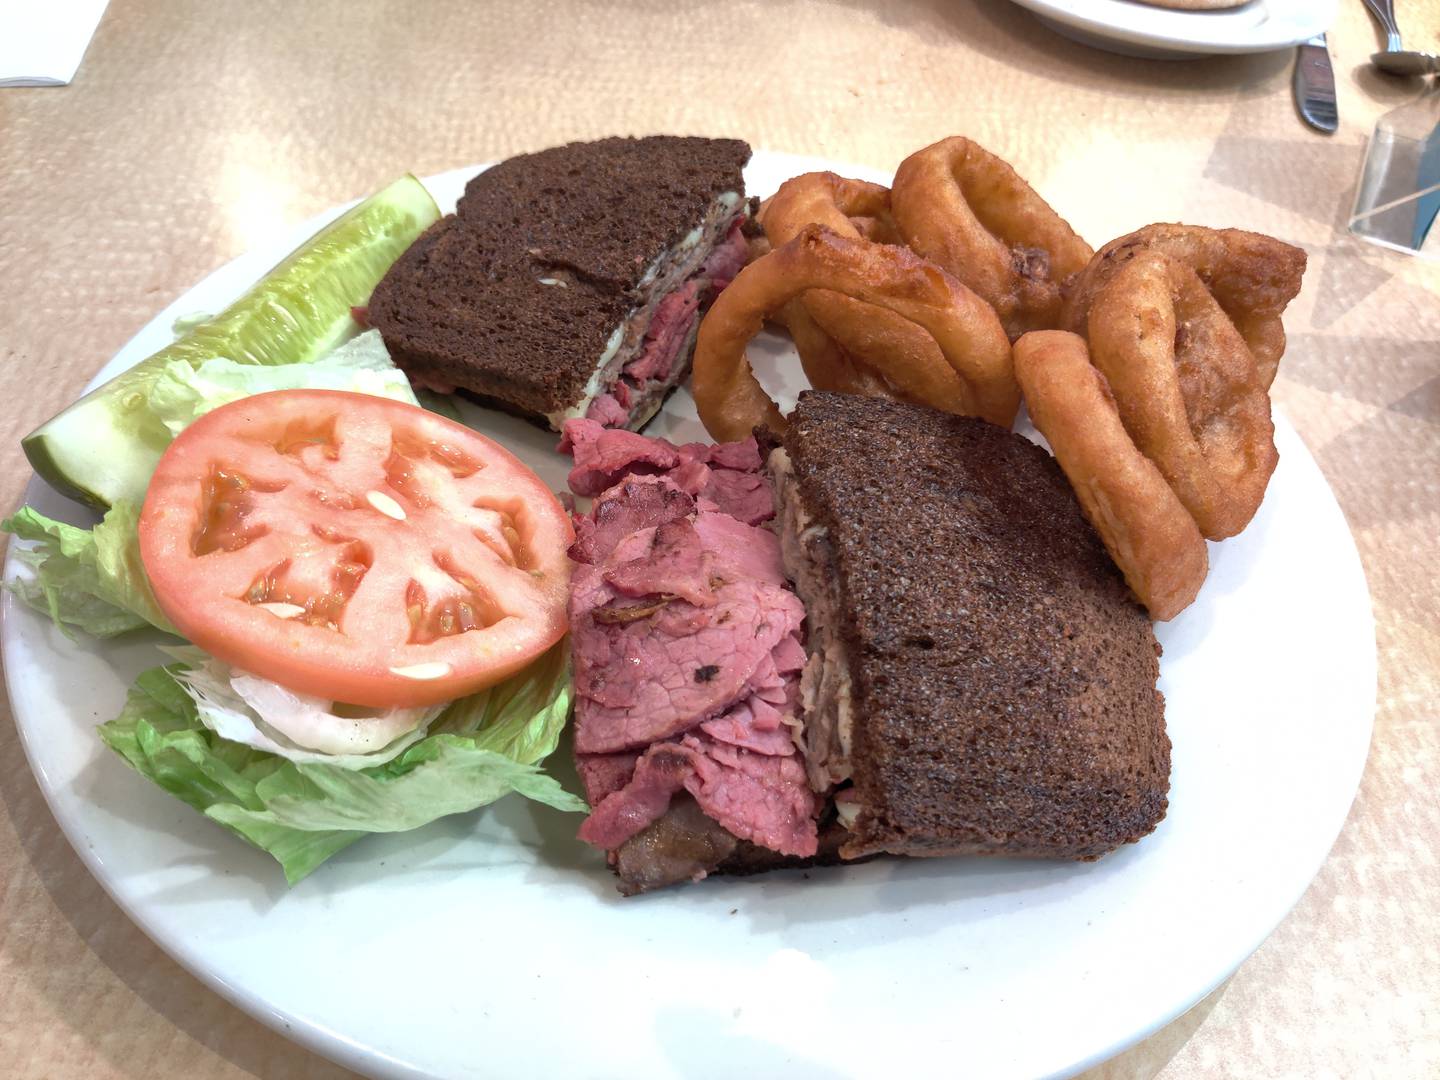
1384	13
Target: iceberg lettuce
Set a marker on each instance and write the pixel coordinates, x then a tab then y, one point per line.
478	749
228	746
85	579
91	579
180	394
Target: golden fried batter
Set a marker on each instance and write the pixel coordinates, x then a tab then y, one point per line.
1144	526
878	346
967	210
730	401
1187	388
1253	278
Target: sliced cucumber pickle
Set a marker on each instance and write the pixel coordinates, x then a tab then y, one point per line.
105	446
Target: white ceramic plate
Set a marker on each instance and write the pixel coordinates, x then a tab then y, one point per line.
494	943
1138	29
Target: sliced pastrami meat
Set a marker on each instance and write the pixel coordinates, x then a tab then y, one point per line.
676	565
757	797
628	508
686	639
643	680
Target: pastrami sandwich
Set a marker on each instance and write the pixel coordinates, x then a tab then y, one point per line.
570	282
916	646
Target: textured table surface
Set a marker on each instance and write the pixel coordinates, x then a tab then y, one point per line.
193	131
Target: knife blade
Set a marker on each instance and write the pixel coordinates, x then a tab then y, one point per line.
1315	86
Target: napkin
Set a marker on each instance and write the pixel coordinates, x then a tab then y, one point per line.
41	43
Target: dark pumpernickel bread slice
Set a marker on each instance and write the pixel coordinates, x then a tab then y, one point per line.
603	209
1003	676
455	313
516	295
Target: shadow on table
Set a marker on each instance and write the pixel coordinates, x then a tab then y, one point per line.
104	929
1389	90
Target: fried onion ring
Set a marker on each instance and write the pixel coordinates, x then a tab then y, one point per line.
875	223
822	198
1253	278
730	401
962	207
872	341
1144	526
880	229
826	364
1188	389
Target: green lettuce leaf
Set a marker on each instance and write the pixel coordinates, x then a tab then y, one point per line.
180	394
481	748
91	579
85	579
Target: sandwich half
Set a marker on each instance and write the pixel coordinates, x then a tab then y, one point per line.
570	282
890	631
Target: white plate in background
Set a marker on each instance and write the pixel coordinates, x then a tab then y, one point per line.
1138	29
494	944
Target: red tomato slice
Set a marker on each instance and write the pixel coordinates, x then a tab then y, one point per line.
355	548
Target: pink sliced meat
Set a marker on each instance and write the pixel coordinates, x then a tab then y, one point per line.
764	799
789	656
741	550
659	773
757	797
627	508
602	456
686	642
768	685
742	495
753	725
743	456
727	259
604	774
669	327
607	412
675	565
645	680
691	476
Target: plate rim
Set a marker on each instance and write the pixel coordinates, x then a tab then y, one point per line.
1322	14
334	1045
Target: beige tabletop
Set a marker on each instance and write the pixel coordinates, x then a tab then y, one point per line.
194	131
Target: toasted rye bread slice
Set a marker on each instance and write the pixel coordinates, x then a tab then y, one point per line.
1002	677
603	209
517	296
